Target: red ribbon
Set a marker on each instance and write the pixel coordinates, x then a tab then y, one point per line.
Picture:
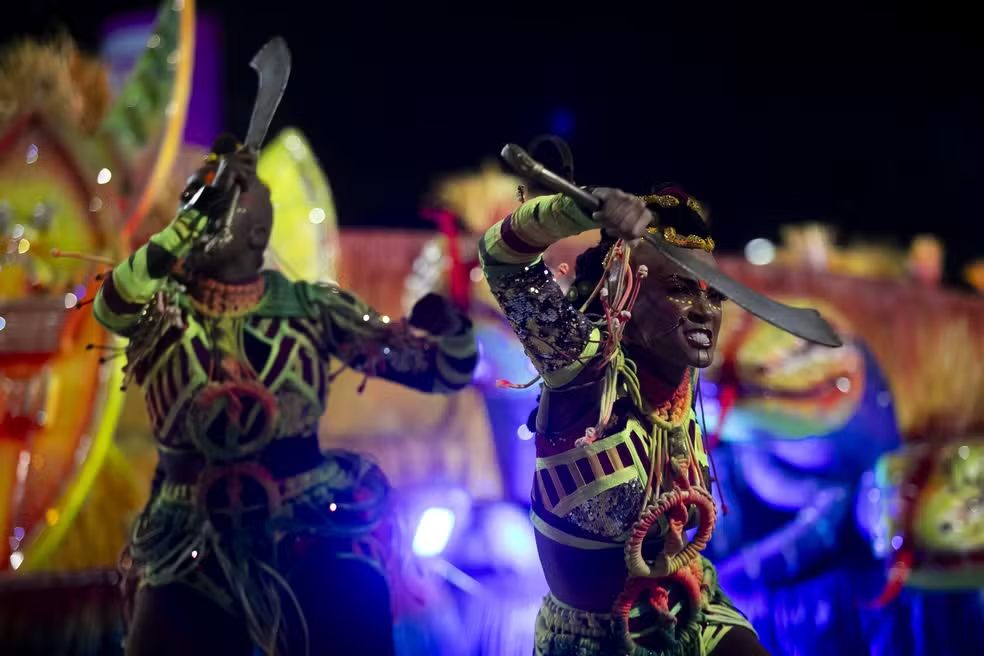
458	278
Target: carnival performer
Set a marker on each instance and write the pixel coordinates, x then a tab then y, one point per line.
621	469
254	538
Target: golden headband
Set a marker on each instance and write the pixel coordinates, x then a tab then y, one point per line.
667	201
670	234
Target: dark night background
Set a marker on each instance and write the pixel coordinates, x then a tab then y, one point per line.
878	129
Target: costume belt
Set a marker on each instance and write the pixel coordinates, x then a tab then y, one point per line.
279	490
350	487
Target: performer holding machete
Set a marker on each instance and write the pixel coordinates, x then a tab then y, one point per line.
253	538
622	471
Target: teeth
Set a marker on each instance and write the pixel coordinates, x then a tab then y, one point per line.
700	338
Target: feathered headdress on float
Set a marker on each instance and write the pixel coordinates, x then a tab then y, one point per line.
473	202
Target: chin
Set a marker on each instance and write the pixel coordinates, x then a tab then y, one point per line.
699	359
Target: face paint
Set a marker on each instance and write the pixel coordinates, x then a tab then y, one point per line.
685	291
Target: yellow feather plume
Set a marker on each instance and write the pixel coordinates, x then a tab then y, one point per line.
480	198
56	79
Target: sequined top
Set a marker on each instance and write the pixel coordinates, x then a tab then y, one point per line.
274	351
589	496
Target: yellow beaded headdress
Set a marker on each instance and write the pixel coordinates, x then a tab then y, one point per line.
683	220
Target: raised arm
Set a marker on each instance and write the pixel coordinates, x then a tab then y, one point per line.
133	283
557	337
433	352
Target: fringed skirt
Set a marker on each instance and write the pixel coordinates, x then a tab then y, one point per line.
231	535
562	630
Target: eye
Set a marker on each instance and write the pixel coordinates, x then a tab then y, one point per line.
678	290
716	297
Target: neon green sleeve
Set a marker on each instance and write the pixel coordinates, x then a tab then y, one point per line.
133	283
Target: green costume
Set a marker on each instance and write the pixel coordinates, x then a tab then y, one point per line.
616	468
235	379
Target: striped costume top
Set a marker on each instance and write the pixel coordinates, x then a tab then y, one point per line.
589	496
281	339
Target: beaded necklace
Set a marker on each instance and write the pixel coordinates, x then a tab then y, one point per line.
216	299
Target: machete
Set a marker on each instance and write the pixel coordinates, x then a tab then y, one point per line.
805	323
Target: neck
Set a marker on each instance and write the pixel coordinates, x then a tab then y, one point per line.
238	272
660	379
215	297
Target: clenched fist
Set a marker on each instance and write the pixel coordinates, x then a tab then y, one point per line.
623	215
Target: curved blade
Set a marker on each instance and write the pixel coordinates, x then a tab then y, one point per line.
805	323
272	65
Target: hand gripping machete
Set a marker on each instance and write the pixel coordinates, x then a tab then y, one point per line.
272	66
805	323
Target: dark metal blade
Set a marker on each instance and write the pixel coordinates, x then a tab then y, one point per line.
805	323
272	65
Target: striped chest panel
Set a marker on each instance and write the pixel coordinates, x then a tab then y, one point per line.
282	354
573	484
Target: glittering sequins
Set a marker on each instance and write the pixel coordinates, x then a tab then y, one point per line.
553	332
611	513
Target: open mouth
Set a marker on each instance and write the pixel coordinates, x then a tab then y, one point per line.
699	338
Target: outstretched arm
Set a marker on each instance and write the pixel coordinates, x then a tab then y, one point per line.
557	337
434	351
133	283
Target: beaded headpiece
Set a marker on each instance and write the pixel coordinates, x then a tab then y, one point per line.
684	218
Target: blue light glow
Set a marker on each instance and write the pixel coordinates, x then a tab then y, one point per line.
433	532
510	540
562	123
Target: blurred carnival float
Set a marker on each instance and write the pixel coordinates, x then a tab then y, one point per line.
830	460
80	171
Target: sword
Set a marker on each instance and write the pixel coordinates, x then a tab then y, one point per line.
272	66
805	323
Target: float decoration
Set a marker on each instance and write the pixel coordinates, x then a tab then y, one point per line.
304	244
73	171
798	470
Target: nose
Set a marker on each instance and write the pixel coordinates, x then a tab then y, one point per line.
700	311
